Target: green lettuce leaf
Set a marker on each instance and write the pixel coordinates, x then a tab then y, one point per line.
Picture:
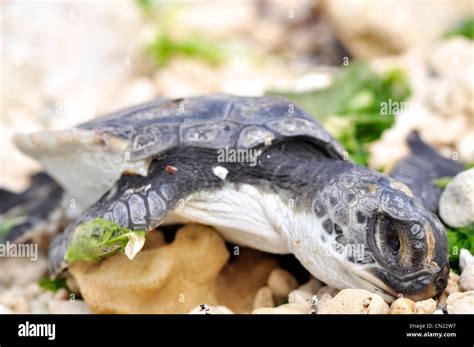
100	238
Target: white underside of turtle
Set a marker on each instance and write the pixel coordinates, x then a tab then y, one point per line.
248	216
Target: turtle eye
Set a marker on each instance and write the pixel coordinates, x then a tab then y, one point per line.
388	239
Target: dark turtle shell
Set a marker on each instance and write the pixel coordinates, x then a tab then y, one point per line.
212	121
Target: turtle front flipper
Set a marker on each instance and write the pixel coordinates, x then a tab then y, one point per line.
421	168
137	203
35	211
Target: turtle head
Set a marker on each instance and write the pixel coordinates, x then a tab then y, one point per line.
388	242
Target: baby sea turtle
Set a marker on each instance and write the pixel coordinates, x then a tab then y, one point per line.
263	173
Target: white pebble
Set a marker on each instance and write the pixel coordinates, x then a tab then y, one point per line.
220	172
457	201
465	258
466	281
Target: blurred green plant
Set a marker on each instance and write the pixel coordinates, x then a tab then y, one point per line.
442	182
457	239
465	29
53	285
164	16
350	108
468	166
7	224
164	47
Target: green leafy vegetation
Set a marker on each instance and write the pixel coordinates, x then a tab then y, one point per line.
100	238
468	166
165	17
442	182
465	29
352	108
53	285
163	48
7	224
458	239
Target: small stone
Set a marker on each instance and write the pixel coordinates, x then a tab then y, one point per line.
457	201
5	310
402	306
327	290
31	270
263	298
466	280
209	309
465	258
323	298
61	294
300	297
425	306
72	285
68	307
32	290
461	303
304	293
281	283
451	288
40	304
283	309
15	302
220	172
453	283
312	286
355	301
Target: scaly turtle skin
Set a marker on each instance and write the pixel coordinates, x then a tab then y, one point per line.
163	162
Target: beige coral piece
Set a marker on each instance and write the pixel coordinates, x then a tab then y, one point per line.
355	301
173	278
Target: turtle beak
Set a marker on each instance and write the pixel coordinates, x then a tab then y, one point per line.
419	286
435	286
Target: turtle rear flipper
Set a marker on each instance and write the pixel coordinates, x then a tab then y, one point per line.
419	170
36	210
